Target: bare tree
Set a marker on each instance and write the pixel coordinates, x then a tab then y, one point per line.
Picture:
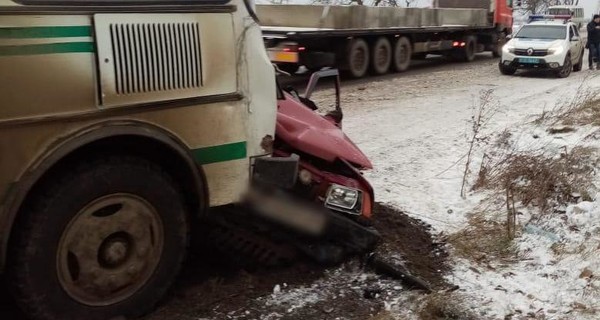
374	3
537	6
409	3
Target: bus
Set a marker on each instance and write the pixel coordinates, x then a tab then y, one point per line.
121	122
577	13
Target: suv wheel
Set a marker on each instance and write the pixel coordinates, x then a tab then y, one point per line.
579	66
507	70
565	71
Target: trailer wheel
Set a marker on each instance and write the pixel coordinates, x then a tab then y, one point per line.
357	58
500	42
101	240
381	56
467	54
402	54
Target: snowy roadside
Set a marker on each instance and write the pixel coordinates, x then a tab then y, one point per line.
418	141
415	127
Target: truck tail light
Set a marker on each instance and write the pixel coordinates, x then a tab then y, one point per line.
293	48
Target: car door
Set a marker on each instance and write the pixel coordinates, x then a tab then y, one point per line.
575	43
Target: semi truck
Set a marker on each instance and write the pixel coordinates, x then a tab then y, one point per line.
360	40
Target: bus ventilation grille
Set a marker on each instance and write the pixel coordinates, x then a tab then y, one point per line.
150	57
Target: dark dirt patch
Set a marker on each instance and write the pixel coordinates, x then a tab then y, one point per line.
211	287
561	130
218	294
412	240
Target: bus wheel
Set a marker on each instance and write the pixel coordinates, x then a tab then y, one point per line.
357	58
381	56
402	54
100	240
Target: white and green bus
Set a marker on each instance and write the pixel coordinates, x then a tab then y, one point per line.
121	122
577	14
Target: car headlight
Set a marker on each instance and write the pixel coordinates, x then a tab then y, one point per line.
508	48
344	198
556	50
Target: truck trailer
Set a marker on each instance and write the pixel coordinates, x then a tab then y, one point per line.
361	40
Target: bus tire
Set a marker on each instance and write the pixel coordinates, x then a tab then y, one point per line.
381	56
103	239
402	54
357	58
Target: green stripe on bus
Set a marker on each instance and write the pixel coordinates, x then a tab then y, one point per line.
47	48
222	153
45	32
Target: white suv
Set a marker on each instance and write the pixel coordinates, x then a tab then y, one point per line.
551	45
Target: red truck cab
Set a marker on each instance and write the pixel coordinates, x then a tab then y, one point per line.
500	10
503	15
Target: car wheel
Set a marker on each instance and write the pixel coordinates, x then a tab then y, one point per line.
567	68
507	70
579	66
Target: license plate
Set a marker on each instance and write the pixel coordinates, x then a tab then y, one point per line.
529	60
278	56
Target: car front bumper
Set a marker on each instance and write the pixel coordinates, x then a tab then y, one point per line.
551	62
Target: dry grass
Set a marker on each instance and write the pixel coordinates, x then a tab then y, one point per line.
582	109
383	315
445	306
483	240
587	111
535	178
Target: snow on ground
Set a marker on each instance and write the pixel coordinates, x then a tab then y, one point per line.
417	140
415	128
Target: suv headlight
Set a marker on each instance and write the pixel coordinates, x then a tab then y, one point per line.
508	48
556	50
344	198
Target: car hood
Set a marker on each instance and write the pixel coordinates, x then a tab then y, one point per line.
535	43
307	131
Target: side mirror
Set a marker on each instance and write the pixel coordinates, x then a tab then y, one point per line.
312	85
575	38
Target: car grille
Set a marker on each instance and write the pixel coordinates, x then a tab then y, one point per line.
536	53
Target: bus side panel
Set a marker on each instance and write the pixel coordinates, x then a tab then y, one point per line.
49	81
